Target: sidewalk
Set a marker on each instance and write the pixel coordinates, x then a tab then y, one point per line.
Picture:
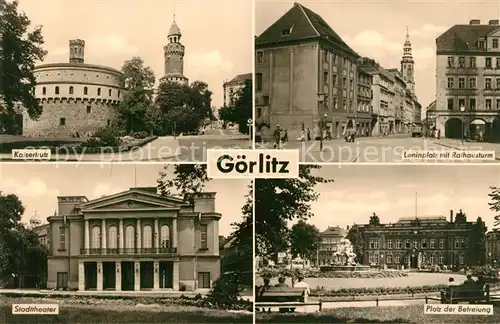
469	146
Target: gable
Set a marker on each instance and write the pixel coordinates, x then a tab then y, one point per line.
130	200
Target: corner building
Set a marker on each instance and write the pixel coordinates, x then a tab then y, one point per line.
134	240
416	242
468	80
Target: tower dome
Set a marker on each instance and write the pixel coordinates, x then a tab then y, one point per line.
174	30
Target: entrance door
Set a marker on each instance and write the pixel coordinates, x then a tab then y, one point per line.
62	280
108	275
414	261
147	272
128	276
166	274
90	275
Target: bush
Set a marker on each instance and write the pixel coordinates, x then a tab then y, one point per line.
225	293
348	292
140	135
355	274
106	137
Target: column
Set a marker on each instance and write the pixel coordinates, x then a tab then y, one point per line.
137	280
103	236
156	276
175	276
174	233
157	236
99	276
118	278
81	276
138	232
120	235
86	237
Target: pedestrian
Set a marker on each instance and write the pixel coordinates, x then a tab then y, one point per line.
277	137
308	134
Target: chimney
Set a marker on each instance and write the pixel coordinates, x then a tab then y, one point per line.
76	51
475	22
493	22
451	216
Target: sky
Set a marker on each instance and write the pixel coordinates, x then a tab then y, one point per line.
377	28
393	191
217	34
37	185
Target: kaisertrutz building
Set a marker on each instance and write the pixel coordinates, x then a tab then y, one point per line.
134	240
76	97
468	80
330	241
232	87
174	56
418	241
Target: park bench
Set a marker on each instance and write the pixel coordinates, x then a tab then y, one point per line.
286	299
472	293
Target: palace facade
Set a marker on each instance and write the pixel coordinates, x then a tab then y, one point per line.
134	240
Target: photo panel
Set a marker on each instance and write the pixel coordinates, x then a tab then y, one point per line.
97	241
405	244
403	84
99	90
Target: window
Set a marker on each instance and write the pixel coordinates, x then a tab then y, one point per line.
62	238
71	90
498	83
461	259
441	259
459	243
62	121
96	238
472	83
260	57
130	237
461	83
424	244
98	91
89	109
461	102
398	244
112	237
334	79
147	237
461	62
389	258
407	244
415	244
258	86
62	280
451	103
119	93
389	244
488	62
487	83
204	238
472	103
451	61
398	259
334	58
472	62
450	83
432	259
480	44
344	82
325	78
85	90
488	104
204	280
44	90
109	92
498	104
494	43
325	56
335	103
57	90
374	244
498	63
433	244
441	244
164	236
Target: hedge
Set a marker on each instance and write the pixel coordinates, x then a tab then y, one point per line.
348	292
356	274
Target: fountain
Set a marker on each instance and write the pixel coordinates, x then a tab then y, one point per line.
344	259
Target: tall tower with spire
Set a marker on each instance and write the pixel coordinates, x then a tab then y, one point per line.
174	56
407	64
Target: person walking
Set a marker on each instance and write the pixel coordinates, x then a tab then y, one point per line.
277	137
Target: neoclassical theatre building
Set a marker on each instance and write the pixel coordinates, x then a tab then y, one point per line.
134	240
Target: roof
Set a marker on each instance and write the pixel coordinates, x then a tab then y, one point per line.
174	30
302	24
423	219
77	66
240	78
432	106
463	37
335	231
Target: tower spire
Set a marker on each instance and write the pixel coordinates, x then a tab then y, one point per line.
407	63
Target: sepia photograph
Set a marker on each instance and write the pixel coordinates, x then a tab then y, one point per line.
147	243
127	81
377	244
404	77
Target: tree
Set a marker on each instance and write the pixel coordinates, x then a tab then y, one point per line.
188	178
478	242
20	49
138	96
460	217
278	201
355	236
374	220
11	210
305	240
495	204
241	110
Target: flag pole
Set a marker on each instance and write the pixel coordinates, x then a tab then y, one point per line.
416	204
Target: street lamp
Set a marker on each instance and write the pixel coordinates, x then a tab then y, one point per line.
321	99
322	129
462	109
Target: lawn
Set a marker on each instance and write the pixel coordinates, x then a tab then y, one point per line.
115	312
387	314
414	279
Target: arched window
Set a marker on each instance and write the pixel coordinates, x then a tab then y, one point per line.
71	89
110	92
147	239
130	237
112	237
96	237
98	91
57	90
165	236
44	90
85	90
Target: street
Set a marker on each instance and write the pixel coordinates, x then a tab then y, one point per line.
194	148
386	150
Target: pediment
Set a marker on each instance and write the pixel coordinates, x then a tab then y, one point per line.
129	201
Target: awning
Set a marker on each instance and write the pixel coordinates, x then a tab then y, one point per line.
477	122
